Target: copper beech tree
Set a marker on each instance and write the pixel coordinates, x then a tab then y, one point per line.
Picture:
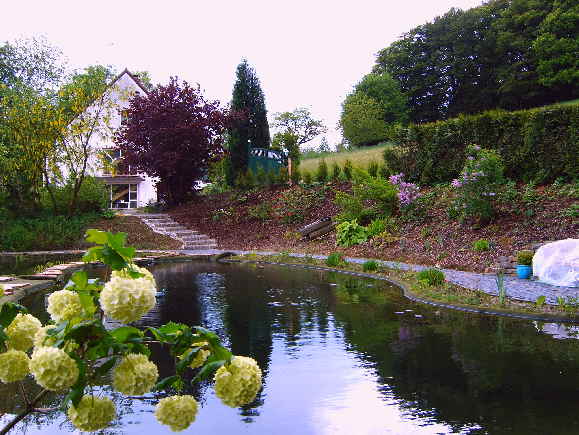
173	133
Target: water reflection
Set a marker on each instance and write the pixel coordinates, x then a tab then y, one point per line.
343	355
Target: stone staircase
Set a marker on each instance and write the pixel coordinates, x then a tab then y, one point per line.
163	223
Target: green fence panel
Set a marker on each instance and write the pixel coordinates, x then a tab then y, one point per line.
269	160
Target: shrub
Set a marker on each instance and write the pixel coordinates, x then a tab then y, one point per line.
322	172
349	233
373	168
336	171
431	277
525	258
407	192
335	259
261	211
538	144
370	198
260	176
92	197
348	168
481	245
370	266
307	177
296	176
478	184
377	226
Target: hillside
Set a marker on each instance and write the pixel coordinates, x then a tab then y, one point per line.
359	157
269	220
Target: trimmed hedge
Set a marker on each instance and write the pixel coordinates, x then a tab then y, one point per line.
536	145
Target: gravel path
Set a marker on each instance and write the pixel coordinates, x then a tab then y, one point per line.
520	289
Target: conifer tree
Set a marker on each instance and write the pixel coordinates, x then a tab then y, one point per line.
253	130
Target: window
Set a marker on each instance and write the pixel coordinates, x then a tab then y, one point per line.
123	196
110	159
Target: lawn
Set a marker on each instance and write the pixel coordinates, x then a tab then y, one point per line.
359	157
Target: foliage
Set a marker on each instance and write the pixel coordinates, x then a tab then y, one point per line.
349	233
44	233
375	227
370	198
300	124
478	184
383	89
154	140
362	120
335	259
407	192
92	196
291	205
262	211
307	177
336	171
539	145
252	129
373	168
525	257
370	266
540	301
481	245
347	169
296	175
509	55
322	172
431	277
287	142
76	350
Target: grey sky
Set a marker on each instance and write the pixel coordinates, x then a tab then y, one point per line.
305	52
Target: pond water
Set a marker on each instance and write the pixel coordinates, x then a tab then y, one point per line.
346	355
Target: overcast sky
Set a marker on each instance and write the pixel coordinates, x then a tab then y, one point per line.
305	52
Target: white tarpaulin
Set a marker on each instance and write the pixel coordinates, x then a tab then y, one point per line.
557	263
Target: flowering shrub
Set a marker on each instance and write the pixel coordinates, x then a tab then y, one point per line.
407	192
78	349
477	186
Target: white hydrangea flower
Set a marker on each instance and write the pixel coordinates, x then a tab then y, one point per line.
200	357
127	300
13	366
238	383
64	305
135	375
177	412
53	369
124	273
92	413
21	331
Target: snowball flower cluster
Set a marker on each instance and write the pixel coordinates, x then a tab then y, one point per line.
64	305
238	383
135	375
125	273
126	299
177	412
21	332
92	413
13	366
200	357
53	369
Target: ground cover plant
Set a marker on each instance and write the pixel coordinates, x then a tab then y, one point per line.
75	349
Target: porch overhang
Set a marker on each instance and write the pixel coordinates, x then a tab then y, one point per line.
121	179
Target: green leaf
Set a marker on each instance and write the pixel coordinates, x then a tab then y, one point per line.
9	311
186	360
96	236
207	370
85	331
104	368
165	383
80	279
87	302
125	333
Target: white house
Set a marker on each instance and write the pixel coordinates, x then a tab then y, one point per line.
125	190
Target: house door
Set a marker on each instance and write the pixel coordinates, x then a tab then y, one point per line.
123	196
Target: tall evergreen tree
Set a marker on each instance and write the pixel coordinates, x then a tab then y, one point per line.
253	130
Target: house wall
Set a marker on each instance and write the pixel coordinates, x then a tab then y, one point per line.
119	95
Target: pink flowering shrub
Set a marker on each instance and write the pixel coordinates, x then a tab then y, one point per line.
477	186
407	192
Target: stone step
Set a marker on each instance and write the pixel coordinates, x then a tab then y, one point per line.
191	239
154	216
200	247
194	238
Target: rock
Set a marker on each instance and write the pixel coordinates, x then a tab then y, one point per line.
557	263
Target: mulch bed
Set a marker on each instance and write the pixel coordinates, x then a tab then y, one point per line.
139	235
436	240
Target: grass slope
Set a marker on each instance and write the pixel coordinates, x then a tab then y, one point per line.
360	158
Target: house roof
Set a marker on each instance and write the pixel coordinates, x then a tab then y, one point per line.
131	75
121	179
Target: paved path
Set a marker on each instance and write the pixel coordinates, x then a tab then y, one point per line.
521	289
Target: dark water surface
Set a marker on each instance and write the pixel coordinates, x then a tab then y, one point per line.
345	355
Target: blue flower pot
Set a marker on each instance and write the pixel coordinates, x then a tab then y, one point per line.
524	272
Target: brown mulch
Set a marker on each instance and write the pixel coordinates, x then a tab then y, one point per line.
139	235
436	240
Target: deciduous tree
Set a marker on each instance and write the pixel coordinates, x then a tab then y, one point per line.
299	123
172	134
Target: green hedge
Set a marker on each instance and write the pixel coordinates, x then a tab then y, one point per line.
536	145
